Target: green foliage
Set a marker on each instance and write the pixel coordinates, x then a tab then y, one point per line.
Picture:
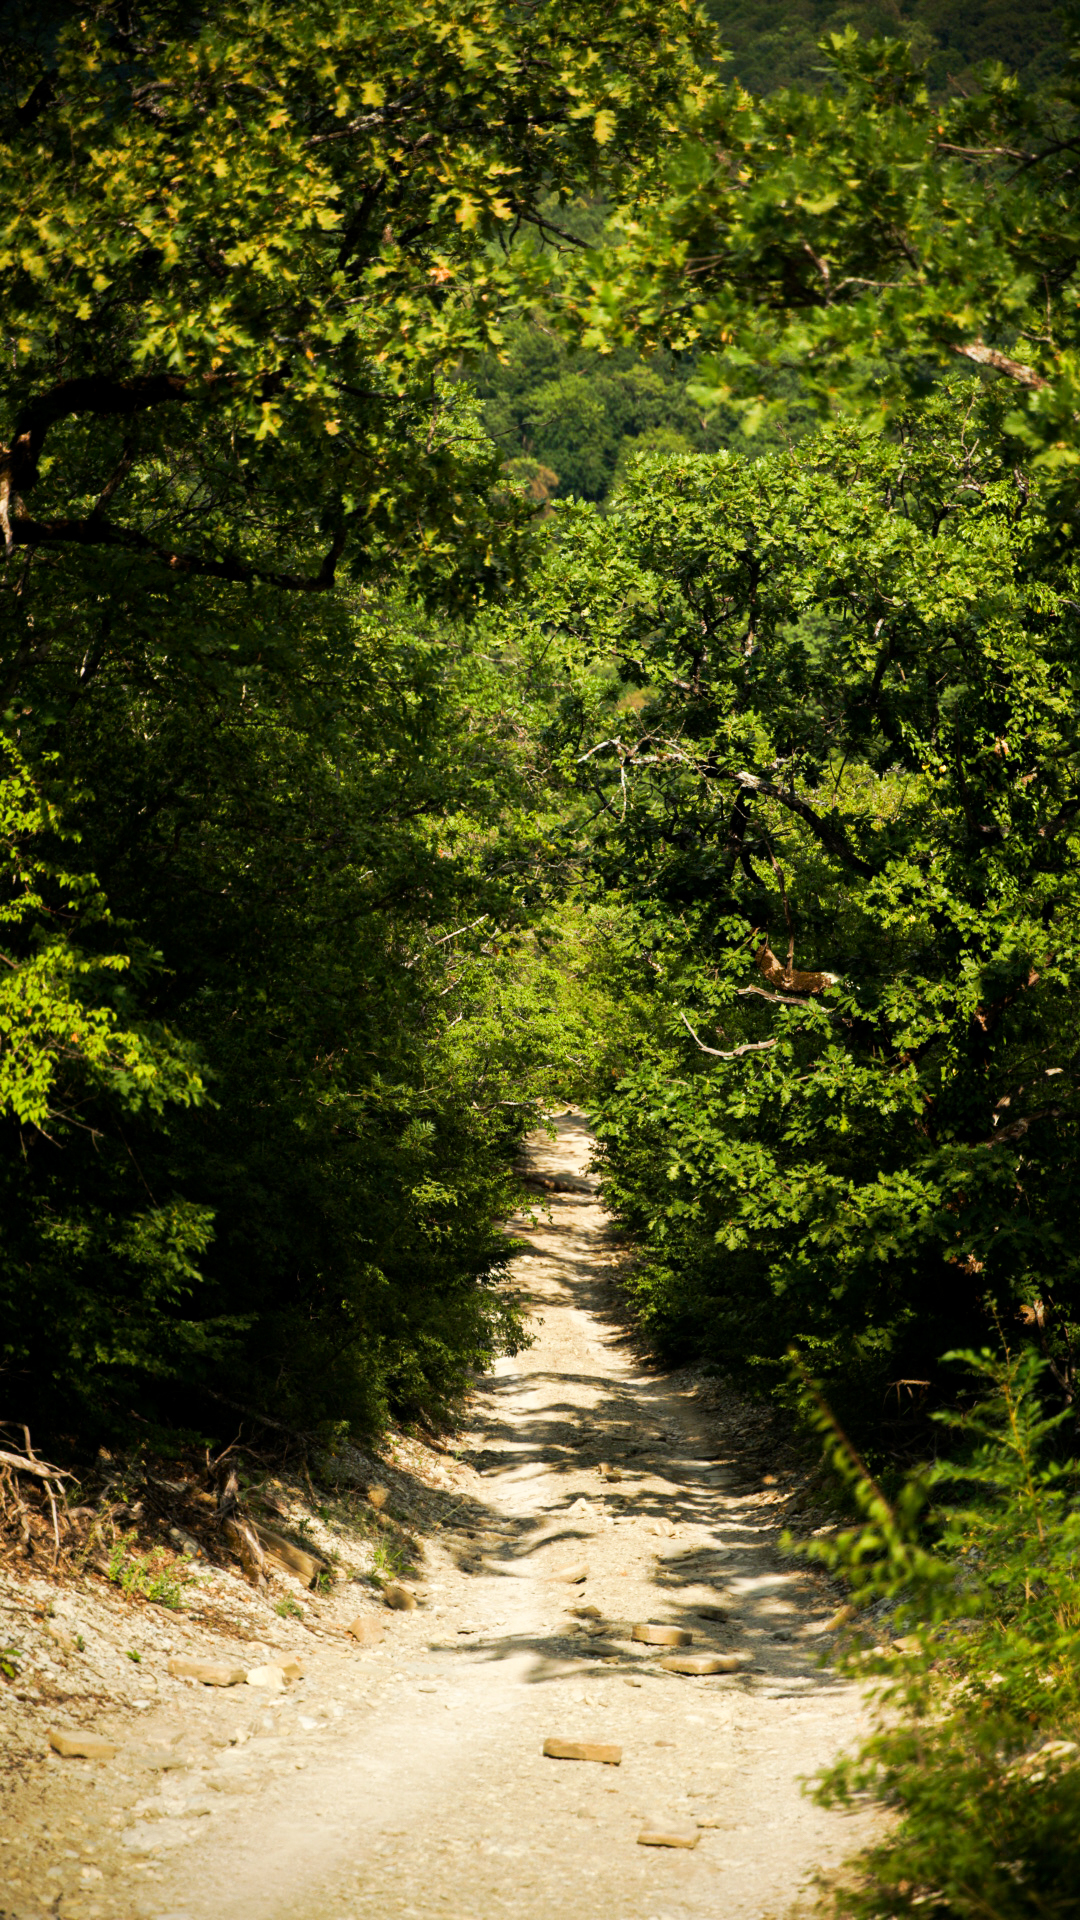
82	1057
53	1037
267	827
578	419
977	1751
323	859
149	1576
841	724
582	417
388	1560
869	235
326	926
254	244
578	415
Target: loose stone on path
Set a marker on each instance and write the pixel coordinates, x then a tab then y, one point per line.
82	1746
210	1673
668	1836
653	1635
699	1663
609	1756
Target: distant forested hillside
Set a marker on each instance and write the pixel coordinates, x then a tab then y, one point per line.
774	42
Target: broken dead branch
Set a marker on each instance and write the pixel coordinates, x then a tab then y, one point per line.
750	1046
40	1468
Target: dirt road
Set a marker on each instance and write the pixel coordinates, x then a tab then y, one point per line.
409	1780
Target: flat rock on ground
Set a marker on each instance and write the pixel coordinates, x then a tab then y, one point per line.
409	1778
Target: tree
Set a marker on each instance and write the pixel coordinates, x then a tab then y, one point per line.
252	245
837	787
247	1143
777	45
868	235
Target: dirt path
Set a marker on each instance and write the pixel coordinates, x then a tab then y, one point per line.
409	1780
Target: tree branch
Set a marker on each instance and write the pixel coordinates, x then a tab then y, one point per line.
1018	1128
38	1468
984	356
784	999
90	394
832	837
548	226
96	531
34	106
751	1046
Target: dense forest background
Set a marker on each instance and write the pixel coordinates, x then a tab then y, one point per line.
309	786
348	814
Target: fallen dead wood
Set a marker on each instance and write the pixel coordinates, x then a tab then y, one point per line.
308	1565
245	1543
37	1467
50	1478
779	974
254	1542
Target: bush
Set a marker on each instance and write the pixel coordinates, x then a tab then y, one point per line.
977	1750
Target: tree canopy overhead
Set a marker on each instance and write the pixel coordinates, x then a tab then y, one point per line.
354	804
257	811
257	1111
867	235
249	241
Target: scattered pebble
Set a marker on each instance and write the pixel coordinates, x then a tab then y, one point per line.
573	1575
699	1663
272	1678
367	1629
666	1836
400	1598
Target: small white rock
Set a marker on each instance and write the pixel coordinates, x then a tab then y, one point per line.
270	1677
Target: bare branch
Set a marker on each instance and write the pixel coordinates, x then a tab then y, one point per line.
1019	1127
38	1468
784	999
984	356
751	1046
115	480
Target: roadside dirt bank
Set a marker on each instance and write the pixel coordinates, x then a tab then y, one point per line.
408	1778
